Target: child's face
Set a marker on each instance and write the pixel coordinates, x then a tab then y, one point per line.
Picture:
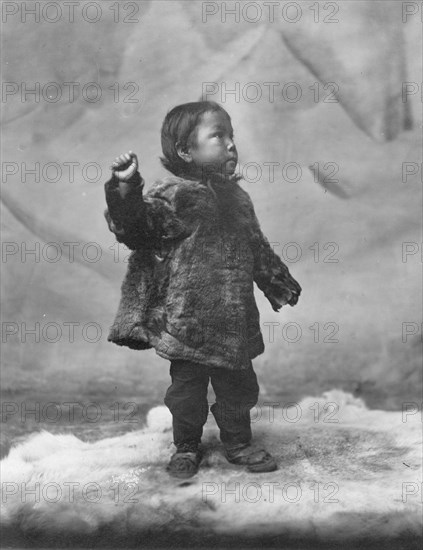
214	148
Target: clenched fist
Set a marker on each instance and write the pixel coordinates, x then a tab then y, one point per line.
125	166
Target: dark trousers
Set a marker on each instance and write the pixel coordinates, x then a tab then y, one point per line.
236	394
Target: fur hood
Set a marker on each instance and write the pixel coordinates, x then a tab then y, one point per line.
189	287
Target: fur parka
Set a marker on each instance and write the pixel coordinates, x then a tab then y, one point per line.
189	288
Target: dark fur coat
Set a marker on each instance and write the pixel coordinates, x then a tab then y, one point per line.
189	287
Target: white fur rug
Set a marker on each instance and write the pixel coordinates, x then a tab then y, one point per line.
345	474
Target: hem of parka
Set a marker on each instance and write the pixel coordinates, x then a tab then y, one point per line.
238	361
131	344
172	349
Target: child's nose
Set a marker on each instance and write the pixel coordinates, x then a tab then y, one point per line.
231	145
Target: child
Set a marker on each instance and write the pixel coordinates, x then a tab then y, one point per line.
189	290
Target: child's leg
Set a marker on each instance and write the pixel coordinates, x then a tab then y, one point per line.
236	394
187	400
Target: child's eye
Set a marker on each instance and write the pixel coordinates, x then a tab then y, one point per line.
218	134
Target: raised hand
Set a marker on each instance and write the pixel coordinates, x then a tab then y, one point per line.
125	166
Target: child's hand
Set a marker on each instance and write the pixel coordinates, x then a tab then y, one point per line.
125	166
288	292
281	297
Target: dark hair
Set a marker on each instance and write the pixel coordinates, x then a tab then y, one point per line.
179	127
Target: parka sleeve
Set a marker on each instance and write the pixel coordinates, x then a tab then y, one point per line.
271	274
140	221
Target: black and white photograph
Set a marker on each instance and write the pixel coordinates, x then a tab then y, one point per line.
211	274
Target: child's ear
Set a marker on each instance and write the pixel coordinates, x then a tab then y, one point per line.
184	152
